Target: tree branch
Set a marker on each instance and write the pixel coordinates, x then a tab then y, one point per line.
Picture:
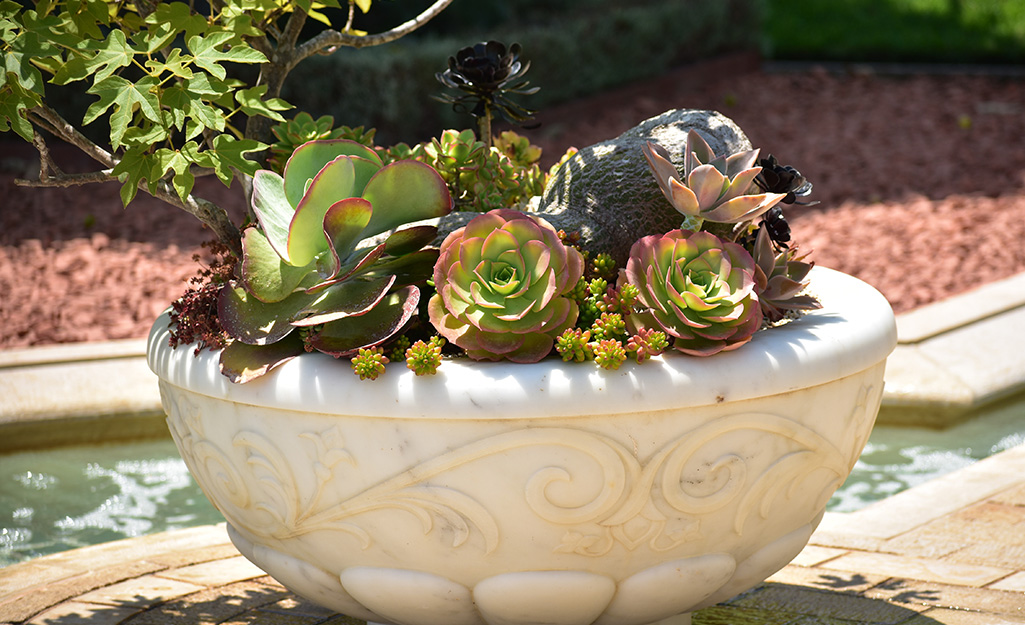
50	120
215	217
61	179
329	40
293	28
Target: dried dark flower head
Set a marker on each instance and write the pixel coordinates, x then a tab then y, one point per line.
194	314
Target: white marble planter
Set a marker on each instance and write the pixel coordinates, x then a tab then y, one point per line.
534	494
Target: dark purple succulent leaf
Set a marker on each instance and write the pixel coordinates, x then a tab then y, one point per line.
362	260
251	321
409	240
345	299
241	362
408	269
345	337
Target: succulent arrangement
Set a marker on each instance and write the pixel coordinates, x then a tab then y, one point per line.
339	261
339	251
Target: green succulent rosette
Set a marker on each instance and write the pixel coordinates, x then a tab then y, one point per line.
502	286
695	287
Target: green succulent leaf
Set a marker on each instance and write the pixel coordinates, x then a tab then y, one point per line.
408	269
306	238
273	211
359	262
346	299
263	272
308	159
343	224
241	363
404	192
345	337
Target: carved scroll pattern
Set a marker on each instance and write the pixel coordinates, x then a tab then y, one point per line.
659	502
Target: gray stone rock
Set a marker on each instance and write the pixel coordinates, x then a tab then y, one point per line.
607	193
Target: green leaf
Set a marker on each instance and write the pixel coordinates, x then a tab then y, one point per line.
344	223
252	104
310	158
164	159
17	64
228	153
410	240
404	192
147	136
205	49
264	274
178	16
158	36
125	97
13	100
242	25
133	168
85	18
175	101
175	64
205	115
345	299
111	55
364	5
204	84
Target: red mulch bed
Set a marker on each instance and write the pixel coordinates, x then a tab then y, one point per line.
921	181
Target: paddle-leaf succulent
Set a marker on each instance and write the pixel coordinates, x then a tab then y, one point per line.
307	263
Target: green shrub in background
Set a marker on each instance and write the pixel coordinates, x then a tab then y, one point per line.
949	31
589	46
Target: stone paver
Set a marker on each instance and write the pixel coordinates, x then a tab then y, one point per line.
1014	583
218	572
